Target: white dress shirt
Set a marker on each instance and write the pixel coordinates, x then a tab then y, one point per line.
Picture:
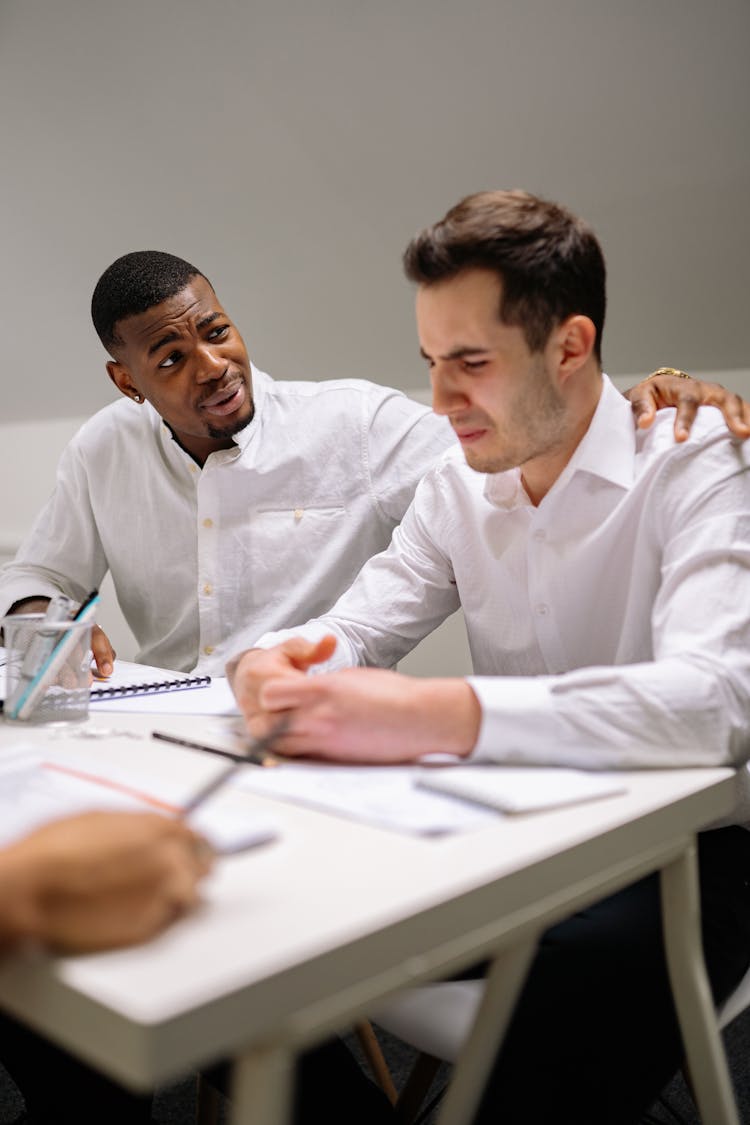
267	532
609	626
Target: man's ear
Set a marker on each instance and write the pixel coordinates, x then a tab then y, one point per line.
120	376
576	337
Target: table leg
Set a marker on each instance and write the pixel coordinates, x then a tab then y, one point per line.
263	1086
504	982
692	993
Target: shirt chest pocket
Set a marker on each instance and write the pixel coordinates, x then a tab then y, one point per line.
287	536
288	550
305	518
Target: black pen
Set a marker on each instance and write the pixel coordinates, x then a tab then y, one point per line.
253	756
80	612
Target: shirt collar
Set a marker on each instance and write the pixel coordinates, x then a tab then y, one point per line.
258	389
607	450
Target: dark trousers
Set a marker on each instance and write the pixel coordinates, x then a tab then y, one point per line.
593	1040
594	1037
331	1087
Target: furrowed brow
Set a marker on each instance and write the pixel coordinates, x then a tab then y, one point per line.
460	352
169	338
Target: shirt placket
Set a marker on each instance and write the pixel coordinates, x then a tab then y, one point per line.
208	514
541	560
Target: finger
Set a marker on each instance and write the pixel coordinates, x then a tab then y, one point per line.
302	654
737	415
300	744
644	408
283	693
202	855
102	651
687	408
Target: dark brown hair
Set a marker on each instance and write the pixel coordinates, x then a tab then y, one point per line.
549	261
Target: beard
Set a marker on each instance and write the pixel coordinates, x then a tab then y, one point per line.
534	426
221	433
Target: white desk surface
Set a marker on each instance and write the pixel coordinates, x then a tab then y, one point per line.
332	909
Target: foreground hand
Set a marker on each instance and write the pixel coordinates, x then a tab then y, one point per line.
103	879
686	395
367	715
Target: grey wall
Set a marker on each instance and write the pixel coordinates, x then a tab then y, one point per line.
290	149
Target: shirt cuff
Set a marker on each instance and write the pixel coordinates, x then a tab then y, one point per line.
518	719
21	589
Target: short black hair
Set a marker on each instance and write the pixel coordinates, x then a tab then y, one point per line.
136	282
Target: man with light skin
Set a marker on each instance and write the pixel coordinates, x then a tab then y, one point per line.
605	579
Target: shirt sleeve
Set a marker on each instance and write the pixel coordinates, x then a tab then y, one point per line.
398	597
62	552
690	705
404	439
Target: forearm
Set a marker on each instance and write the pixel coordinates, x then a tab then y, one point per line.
676	712
398	598
25	589
62	553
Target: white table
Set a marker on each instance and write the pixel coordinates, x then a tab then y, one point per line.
299	938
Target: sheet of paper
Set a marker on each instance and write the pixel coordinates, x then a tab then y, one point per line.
35	790
382	795
518	790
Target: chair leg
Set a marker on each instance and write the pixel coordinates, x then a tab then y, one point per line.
207	1102
416	1086
372	1050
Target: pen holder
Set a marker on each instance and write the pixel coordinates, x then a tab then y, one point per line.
47	669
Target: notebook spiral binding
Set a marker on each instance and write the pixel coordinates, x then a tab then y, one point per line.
112	692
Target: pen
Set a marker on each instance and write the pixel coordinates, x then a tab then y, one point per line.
83	609
258	750
253	756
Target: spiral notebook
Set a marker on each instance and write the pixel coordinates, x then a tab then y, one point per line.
129	679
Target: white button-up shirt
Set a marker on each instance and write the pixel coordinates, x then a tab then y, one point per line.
268	532
609	626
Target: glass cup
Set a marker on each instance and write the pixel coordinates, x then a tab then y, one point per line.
47	669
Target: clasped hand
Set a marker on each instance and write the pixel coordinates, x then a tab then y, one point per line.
356	715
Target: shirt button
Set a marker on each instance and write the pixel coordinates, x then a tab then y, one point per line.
208	588
208	649
208	523
540	534
298	512
542	609
193	468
